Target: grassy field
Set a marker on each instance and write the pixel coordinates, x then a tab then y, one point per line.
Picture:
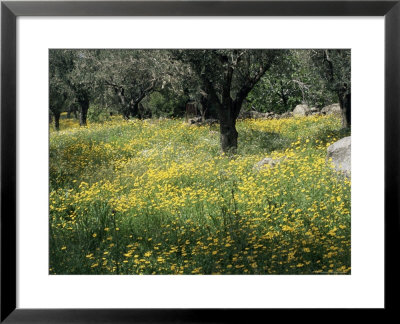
157	197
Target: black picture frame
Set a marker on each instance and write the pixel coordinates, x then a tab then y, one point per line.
10	10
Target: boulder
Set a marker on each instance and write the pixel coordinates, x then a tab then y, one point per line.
301	111
267	162
195	121
257	115
268	114
331	109
286	114
340	153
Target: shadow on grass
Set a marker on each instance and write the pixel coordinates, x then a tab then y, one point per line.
251	141
326	136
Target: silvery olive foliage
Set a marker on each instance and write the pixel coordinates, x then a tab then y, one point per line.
292	80
141	83
61	94
334	66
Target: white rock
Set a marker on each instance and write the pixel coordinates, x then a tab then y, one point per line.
340	152
331	109
268	162
301	110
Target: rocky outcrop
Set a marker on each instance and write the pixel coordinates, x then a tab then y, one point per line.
340	153
331	109
194	121
255	114
301	111
287	114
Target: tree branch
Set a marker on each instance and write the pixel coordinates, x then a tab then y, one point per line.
246	88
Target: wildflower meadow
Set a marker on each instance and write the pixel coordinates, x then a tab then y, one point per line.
156	196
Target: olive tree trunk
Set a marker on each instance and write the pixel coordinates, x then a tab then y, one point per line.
345	105
228	136
228	133
135	112
57	120
84	107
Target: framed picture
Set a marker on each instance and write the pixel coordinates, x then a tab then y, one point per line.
47	277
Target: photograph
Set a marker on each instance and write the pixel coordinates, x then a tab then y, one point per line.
199	161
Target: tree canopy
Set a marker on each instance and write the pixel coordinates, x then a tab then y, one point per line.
145	83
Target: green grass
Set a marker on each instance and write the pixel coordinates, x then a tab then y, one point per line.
157	197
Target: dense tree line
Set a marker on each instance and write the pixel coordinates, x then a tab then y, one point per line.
152	83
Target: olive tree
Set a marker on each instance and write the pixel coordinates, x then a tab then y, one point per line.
130	75
227	77
72	78
334	65
60	93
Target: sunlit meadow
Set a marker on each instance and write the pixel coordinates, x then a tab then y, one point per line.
157	197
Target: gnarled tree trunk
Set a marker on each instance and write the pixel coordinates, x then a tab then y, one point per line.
228	132
57	120
228	136
345	105
135	110
203	107
84	107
